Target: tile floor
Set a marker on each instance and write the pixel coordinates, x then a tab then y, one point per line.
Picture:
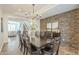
12	47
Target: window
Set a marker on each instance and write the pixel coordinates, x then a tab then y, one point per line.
52	26
55	25
49	25
13	26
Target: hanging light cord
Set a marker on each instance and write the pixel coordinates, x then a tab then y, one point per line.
33	7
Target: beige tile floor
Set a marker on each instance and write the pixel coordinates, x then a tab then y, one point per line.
12	47
6	51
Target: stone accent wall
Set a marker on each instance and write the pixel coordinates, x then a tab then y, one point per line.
43	25
68	25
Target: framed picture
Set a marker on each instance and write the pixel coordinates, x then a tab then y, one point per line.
1	24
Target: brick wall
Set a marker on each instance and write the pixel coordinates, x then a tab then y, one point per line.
68	25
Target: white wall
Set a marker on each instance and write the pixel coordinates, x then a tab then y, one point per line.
4	34
0	30
5	28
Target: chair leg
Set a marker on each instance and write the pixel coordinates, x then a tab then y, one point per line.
26	51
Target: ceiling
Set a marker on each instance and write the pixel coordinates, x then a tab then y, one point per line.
13	8
24	10
45	10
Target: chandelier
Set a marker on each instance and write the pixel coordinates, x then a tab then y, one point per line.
33	15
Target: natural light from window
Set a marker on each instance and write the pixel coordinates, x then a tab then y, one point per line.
52	26
13	26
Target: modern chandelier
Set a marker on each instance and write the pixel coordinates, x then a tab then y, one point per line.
35	15
34	18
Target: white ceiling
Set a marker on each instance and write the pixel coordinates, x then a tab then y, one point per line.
20	10
61	8
12	8
45	10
